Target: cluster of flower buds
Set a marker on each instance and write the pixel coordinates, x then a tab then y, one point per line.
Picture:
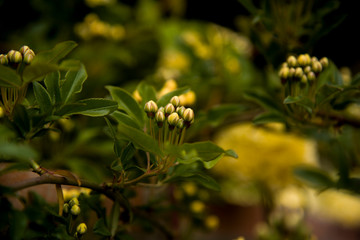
73	207
303	68
80	230
14	58
170	117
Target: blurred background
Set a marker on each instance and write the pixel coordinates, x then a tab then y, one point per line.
220	49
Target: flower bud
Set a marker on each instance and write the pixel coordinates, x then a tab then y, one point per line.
314	59
173	119
307	69
29	56
285	64
161	109
324	62
66	208
304	79
81	228
284	72
180	125
150	108
160	118
299	72
291	60
3	59
311	76
316	67
292	72
74	201
180	110
175	100
307	59
188	115
14	56
75	210
23	49
169	109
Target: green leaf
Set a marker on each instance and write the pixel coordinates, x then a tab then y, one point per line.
117	147
313	177
140	139
18	223
166	98
217	114
70	65
23	153
52	83
20	166
37	71
301	101
124	118
93	107
127	154
56	54
269	117
127	103
21	119
100	228
249	6
291	99
73	83
42	97
146	92
8	77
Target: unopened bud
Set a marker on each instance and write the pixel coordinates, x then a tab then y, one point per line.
74	201
307	69
314	59
173	119
284	72
75	210
14	56
175	100
161	109
299	72
311	76
23	49
180	110
324	62
66	208
180	125
304	79
169	109
188	115
150	108
285	64
292	72
160	118
3	59
29	56
291	60
307	59
81	228
303	60
316	67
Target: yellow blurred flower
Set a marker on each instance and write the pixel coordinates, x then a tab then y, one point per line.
203	51
189	188
70	193
232	65
95	3
188	99
169	86
346	75
240	238
192	38
197	206
136	96
174	59
291	197
264	155
212	222
338	206
1	112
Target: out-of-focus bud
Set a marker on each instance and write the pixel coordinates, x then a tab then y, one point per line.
75	210
3	59
23	49
160	118
74	201
307	59
14	56
311	76
299	72
324	62
175	100
292	72
29	56
307	69
173	119
284	72
304	79
291	60
81	228
66	208
285	64
314	59
302	60
169	109
180	124
316	67
151	108
180	110
188	115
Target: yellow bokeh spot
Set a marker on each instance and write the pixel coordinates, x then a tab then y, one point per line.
197	206
175	59
136	96
169	86
188	99
1	112
291	197
70	193
212	222
232	65
189	188
264	155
